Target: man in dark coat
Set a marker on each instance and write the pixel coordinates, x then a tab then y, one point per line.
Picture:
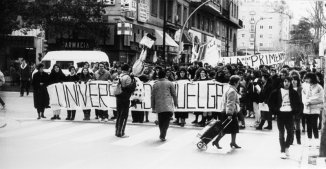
266	115
25	77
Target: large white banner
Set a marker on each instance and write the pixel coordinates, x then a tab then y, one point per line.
255	60
192	96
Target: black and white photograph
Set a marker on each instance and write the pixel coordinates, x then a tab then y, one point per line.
162	84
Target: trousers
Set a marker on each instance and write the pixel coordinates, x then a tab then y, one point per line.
122	115
24	85
164	122
285	122
312	125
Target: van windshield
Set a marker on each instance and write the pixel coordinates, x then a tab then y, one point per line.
65	64
46	63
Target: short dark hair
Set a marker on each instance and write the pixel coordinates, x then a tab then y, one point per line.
234	79
161	74
125	67
71	67
312	77
288	78
39	66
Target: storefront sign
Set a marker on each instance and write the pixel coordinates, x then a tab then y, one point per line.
80	44
143	10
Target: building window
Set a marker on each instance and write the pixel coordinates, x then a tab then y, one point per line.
169	11
260	44
198	21
270	27
251	44
179	13
261	36
252	19
252	28
261	27
218	28
154	7
252	35
193	21
185	14
243	35
161	9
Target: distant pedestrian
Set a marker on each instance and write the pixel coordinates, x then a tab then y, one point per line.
25	78
2	82
285	102
40	92
163	98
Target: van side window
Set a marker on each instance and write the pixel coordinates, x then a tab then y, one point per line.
65	64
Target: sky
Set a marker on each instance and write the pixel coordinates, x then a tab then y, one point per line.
300	8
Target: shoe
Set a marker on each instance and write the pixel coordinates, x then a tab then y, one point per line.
176	122
156	122
67	118
268	128
242	126
194	122
147	121
21	95
287	153
43	116
124	136
58	117
53	118
106	120
162	139
38	118
112	118
216	145
96	118
234	145
283	156
182	124
99	119
259	128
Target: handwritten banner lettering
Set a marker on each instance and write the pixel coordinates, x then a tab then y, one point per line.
192	96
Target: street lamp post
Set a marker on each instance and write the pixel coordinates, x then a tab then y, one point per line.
184	25
256	32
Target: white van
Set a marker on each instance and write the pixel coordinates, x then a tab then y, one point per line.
67	58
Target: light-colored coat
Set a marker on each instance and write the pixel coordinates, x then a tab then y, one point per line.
163	96
231	102
312	95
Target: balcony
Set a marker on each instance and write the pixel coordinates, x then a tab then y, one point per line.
211	7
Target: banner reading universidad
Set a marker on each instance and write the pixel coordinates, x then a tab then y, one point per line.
192	96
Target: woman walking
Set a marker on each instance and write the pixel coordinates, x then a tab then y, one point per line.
266	115
163	98
41	97
231	106
285	103
312	98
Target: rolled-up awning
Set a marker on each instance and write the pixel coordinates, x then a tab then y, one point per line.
168	40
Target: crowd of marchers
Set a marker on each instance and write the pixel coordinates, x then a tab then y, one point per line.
293	96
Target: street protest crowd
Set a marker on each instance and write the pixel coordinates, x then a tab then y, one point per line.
291	95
